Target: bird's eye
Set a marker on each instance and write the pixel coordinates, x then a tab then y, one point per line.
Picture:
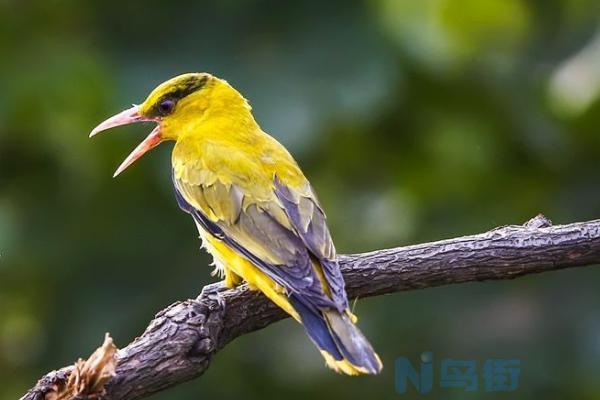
166	106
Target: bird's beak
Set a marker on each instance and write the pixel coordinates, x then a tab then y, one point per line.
127	117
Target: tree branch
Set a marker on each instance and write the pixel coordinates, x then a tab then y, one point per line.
181	340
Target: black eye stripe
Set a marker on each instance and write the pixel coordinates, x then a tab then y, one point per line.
166	104
187	87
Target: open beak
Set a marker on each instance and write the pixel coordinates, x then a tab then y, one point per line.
127	117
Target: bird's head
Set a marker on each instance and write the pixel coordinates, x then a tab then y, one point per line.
173	105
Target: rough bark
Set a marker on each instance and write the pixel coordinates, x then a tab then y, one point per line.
181	340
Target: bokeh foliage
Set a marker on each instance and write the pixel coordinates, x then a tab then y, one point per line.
415	121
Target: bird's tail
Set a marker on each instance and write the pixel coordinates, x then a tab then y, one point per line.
341	343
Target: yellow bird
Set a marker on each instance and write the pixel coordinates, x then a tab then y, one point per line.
256	212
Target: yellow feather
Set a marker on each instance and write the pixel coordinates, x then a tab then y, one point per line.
255	278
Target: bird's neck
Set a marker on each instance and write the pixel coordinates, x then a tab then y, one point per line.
228	120
228	110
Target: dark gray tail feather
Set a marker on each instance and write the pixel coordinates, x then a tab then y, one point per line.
334	333
350	341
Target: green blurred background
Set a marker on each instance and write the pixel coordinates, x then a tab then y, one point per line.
416	120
